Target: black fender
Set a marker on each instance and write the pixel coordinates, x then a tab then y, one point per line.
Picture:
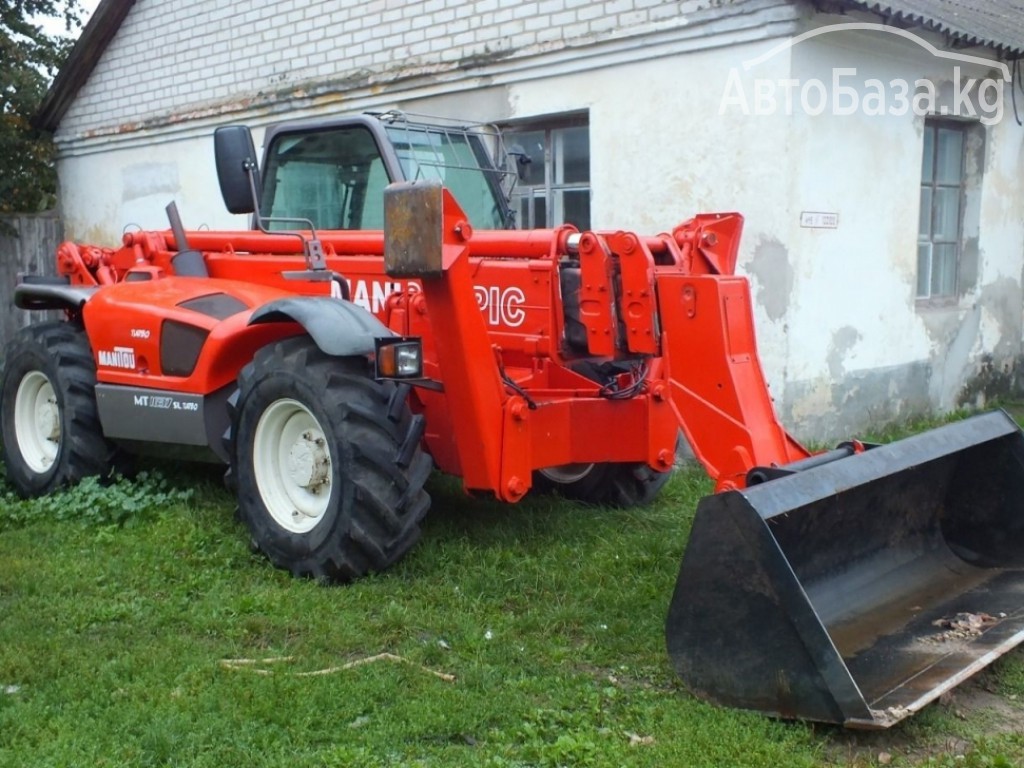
339	328
44	292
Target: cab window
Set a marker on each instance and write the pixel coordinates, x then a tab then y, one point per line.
335	178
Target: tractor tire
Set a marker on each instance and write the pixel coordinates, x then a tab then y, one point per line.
609	484
612	485
328	463
51	428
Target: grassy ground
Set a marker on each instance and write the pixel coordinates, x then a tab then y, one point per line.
119	607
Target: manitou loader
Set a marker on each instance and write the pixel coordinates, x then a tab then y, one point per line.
369	328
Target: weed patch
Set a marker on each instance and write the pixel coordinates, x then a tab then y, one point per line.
94	501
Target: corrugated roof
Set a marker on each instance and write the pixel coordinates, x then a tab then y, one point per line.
997	24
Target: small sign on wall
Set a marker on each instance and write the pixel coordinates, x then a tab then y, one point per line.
819	220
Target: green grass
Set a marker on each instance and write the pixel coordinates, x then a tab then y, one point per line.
118	606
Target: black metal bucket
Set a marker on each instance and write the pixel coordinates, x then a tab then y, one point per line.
857	591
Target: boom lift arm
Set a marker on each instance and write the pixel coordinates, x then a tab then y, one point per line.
661	316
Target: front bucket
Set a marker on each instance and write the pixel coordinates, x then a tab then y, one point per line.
858	591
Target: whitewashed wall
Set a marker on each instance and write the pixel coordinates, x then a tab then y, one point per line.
862	348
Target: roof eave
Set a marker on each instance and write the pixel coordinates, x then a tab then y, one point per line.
98	33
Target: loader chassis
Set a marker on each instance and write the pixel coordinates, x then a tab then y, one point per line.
331	366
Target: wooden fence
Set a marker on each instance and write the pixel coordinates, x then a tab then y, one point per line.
30	251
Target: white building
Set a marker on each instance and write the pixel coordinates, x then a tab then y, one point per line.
878	167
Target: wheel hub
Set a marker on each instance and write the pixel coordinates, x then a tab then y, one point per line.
37	421
565	474
308	463
292	462
48	419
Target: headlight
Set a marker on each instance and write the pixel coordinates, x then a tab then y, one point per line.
399	358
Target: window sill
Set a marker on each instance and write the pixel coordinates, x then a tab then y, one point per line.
937	304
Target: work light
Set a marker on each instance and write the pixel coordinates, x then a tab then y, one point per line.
399	358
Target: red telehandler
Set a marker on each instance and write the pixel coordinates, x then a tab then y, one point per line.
369	328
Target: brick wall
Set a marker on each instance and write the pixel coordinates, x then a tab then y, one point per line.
172	61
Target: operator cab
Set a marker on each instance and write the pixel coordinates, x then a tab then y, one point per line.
333	172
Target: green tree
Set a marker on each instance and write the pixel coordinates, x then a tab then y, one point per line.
29	59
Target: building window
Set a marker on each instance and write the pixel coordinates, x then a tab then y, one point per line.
942	204
553	165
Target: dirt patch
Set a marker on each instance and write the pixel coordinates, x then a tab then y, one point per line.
974	701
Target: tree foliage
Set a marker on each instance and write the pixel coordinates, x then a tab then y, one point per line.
29	59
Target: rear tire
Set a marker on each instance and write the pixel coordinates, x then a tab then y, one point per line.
328	464
51	429
613	485
609	484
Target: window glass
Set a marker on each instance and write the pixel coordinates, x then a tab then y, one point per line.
925	223
530	157
940	220
928	166
459	162
553	163
576	207
573	150
943	269
335	178
540	211
946	214
949	156
924	266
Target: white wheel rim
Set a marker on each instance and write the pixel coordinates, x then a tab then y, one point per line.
567	473
292	463
37	422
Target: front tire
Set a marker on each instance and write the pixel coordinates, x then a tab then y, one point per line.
51	429
328	464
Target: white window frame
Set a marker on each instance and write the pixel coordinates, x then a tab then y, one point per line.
925	290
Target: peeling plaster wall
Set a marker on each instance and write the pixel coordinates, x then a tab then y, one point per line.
864	349
103	194
773	272
843	341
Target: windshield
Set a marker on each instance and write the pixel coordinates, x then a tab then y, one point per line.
459	161
335	177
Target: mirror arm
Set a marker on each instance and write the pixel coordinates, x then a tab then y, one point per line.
312	248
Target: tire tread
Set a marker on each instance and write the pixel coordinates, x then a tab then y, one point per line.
62	352
381	504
